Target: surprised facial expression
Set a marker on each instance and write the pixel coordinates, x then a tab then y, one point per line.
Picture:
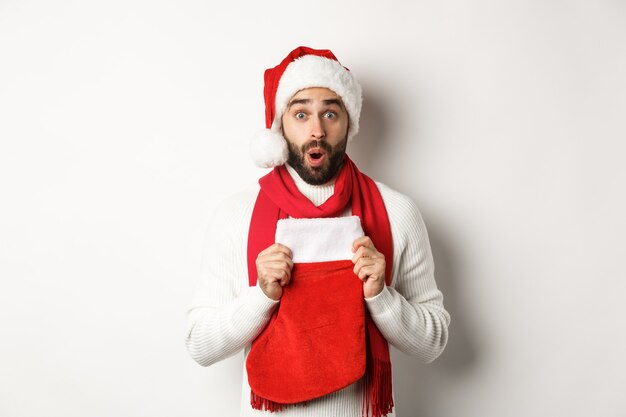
315	125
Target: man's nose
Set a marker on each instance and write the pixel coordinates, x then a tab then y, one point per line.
317	128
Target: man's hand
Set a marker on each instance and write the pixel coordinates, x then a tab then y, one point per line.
369	266
273	268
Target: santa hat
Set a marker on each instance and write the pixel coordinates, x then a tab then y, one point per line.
302	68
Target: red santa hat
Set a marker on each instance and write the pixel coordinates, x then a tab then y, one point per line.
302	68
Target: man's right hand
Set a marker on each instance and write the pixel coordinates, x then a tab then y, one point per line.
273	268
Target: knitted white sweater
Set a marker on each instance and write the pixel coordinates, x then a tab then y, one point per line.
226	314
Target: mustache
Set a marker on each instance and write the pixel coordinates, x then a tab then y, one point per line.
317	144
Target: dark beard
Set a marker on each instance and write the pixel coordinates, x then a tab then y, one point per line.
317	175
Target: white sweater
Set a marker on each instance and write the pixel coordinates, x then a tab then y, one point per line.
226	314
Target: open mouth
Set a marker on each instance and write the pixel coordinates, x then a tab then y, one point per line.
316	157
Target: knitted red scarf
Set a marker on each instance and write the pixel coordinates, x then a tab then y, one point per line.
280	198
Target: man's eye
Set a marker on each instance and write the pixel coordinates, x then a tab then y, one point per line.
330	115
300	115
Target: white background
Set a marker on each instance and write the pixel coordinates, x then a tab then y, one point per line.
124	123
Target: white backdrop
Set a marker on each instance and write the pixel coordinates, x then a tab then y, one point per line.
123	123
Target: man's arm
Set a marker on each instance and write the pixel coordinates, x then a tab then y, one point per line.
226	314
410	312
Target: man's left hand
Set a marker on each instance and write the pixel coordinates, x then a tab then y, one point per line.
369	266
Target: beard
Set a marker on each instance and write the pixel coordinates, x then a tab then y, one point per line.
324	173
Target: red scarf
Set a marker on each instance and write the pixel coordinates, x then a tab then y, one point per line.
280	198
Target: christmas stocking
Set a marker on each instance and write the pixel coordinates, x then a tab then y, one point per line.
315	343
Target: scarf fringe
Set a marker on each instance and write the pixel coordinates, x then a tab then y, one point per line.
260	403
378	398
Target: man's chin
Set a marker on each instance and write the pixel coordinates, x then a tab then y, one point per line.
316	170
314	175
318	175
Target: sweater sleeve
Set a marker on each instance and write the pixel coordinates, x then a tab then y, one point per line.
410	312
226	314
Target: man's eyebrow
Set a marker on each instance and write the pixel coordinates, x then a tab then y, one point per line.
298	101
333	101
326	102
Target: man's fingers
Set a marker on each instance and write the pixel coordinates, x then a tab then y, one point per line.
360	263
356	270
359	254
286	277
276	248
273	266
284	249
368	263
365	273
275	257
274	260
369	266
281	276
362	241
282	273
278	272
356	256
364	252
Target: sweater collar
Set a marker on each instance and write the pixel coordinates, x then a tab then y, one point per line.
317	194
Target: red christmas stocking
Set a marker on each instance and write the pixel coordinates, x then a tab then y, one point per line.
315	343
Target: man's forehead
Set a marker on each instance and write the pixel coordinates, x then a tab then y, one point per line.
308	95
322	92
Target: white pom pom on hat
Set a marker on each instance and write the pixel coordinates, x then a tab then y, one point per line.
268	149
303	68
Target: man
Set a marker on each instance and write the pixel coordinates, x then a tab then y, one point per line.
250	278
